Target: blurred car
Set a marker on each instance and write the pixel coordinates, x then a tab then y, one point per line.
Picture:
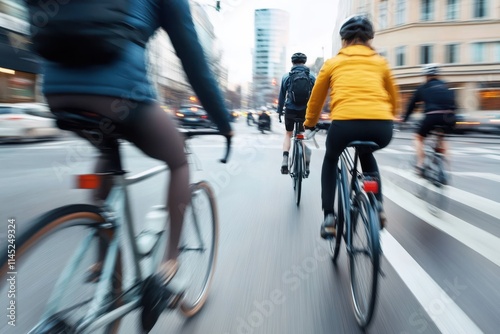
324	121
193	116
233	115
465	123
26	121
489	124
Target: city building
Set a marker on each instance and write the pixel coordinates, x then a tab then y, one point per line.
344	9
165	69
462	35
19	67
270	58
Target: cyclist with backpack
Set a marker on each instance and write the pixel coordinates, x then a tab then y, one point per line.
439	110
95	66
363	106
296	87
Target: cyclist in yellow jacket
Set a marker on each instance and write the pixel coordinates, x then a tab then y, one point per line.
363	106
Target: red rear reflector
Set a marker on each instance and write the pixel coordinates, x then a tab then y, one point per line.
15	118
370	186
88	181
300	136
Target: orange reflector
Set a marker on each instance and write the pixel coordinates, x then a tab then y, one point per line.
300	136
88	181
370	186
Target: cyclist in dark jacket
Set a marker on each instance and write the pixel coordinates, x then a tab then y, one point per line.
122	93
439	110
292	111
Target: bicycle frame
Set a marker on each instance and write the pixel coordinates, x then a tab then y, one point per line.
117	213
299	145
348	190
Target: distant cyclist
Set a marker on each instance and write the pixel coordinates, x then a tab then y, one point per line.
363	106
439	110
296	87
120	91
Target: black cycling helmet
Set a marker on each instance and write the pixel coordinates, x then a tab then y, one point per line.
299	57
357	26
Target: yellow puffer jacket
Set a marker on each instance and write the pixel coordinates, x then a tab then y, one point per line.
361	87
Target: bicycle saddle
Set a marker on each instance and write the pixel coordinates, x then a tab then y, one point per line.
364	146
78	120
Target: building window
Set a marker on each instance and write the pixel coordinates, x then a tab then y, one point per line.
427	10
400	12
382	15
497	52
451	56
426	56
479	9
452	8
478	52
400	56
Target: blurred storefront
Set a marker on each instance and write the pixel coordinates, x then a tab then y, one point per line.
19	67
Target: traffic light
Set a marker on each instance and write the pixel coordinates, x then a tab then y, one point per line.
217	6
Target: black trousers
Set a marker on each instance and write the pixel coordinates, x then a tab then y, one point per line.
340	134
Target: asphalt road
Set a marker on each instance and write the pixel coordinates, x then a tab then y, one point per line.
274	274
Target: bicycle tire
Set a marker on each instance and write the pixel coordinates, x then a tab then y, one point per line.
364	209
57	222
187	307
298	173
337	241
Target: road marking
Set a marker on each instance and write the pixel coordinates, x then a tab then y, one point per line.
486	176
491	156
438	304
476	202
475	238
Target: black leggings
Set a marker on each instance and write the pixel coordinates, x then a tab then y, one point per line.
340	134
153	131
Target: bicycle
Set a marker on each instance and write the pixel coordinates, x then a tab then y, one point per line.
297	160
434	174
357	211
100	306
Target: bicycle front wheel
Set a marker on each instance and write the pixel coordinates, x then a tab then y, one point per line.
364	258
199	241
48	273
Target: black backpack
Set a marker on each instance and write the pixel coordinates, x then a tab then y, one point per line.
300	86
81	32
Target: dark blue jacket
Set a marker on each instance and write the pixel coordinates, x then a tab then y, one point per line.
435	94
286	101
127	77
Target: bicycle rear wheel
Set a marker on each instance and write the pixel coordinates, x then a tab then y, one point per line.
364	258
199	241
337	240
298	173
61	239
433	189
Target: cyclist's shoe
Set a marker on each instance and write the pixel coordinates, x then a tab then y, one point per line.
284	165
160	292
328	228
306	173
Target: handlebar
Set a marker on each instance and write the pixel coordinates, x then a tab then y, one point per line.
190	134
